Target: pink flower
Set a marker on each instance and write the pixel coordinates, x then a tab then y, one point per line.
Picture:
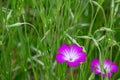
72	55
108	67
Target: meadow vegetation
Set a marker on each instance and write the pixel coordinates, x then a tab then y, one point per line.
31	31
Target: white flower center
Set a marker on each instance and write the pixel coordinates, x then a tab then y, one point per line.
106	69
71	55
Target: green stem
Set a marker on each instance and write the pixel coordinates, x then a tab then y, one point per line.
106	78
71	72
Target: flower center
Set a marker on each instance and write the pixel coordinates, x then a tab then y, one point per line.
70	59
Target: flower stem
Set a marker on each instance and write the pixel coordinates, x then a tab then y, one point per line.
71	72
102	78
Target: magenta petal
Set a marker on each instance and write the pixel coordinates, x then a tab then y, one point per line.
107	62
95	70
109	74
60	58
72	55
78	51
102	74
63	49
109	67
114	67
82	57
95	62
75	63
94	66
76	48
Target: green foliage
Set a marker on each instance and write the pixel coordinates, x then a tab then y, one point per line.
31	31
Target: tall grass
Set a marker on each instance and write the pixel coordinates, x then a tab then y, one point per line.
31	31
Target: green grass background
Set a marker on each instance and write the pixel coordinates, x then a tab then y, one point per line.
31	31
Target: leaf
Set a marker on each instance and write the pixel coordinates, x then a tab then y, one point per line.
73	40
0	42
95	42
9	15
16	24
103	29
84	37
92	76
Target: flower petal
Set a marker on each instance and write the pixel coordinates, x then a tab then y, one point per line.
102	74
95	70
71	55
76	48
109	74
114	67
107	62
82	57
60	58
75	63
63	49
109	67
95	64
